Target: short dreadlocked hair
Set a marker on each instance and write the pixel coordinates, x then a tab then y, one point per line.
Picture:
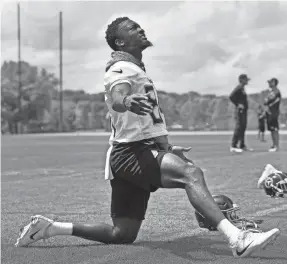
111	32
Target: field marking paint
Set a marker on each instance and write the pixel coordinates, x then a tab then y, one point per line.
271	210
45	171
71	174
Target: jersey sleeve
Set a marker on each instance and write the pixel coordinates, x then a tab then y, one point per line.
273	98
120	72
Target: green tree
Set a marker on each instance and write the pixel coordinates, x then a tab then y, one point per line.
36	92
222	114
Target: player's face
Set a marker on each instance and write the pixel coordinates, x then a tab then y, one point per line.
272	84
245	81
131	35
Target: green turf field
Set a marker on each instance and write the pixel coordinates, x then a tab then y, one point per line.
62	176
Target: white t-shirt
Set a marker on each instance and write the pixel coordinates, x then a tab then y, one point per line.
127	126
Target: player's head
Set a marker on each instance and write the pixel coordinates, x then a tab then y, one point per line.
123	34
273	82
243	79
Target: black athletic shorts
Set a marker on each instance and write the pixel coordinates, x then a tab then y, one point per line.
136	170
261	125
272	122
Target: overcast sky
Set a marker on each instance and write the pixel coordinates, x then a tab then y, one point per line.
200	46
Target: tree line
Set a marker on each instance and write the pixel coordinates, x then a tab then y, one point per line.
40	110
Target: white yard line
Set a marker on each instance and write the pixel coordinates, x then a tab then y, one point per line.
276	209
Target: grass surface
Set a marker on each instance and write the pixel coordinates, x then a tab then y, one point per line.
62	176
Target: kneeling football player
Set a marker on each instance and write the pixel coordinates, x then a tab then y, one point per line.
141	158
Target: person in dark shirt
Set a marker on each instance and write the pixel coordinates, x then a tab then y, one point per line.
272	102
239	98
261	122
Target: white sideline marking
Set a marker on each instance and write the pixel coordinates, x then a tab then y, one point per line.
271	210
67	175
171	133
45	171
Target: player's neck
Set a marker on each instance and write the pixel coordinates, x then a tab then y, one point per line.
136	53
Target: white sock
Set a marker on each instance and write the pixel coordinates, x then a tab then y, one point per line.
60	229
230	231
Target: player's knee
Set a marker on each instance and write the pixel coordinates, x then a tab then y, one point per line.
193	175
120	236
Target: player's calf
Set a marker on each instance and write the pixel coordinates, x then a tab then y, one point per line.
105	233
176	173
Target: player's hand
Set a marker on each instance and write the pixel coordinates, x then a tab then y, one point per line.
178	151
240	106
138	104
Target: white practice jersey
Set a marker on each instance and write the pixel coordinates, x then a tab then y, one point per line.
127	126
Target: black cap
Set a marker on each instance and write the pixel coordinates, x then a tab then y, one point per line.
243	77
273	80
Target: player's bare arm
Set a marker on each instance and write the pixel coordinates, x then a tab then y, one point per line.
277	100
273	99
123	100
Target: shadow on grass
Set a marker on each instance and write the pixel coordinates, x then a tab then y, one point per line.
193	248
202	248
47	246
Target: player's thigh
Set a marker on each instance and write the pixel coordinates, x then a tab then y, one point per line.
238	122
176	173
128	200
242	120
276	124
272	123
137	165
128	208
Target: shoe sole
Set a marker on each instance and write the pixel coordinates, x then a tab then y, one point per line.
32	218
234	151
23	235
270	241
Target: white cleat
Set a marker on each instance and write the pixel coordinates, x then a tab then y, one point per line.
273	149
34	231
236	150
249	242
269	169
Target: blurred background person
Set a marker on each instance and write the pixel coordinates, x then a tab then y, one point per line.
272	103
261	122
239	98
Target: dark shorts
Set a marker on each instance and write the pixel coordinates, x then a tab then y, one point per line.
272	122
261	125
136	173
